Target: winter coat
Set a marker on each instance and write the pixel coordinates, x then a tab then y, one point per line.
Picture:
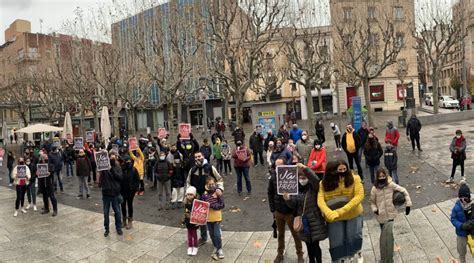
390	158
304	148
354	193
269	139
110	181
363	136
239	135
317	224
216	204
461	153
215	136
283	135
216	151
187	148
413	126
276	201
162	171
319	158
283	153
206	150
226	152
393	135
130	181
69	155
197	177
10	161
458	217
138	162
32	166
256	142
241	163
319	127
45	184
178	177
188	208
381	200
295	134
344	141
372	154
56	159
83	166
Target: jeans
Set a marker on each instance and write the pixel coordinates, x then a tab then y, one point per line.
386	242
372	170
314	251
94	173
256	159
127	203
83	187
203	230
219	164
69	170
111	201
394	174
58	175
345	238
10	175
415	138
455	165
243	171
164	192
48	193
337	139
227	164
192	237
462	250
31	193
20	196
281	221
215	233
351	157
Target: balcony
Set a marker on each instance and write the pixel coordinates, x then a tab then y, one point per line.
28	57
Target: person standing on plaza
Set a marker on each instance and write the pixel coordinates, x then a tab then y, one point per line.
90	153
281	151
242	161
128	188
163	172
139	163
304	147
340	199
337	135
216	152
283	134
206	150
270	138
283	215
315	229
413	132
392	134
197	178
226	152
110	183
83	170
31	189
295	133
178	179
238	135
462	219
382	204
373	152
192	228
56	159
215	136
21	185
317	159
10	162
256	146
458	154
46	187
319	127
363	134
151	157
350	143
391	161
69	156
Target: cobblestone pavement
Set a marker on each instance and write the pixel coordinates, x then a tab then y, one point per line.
76	235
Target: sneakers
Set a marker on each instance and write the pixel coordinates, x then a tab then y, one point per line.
462	179
106	233
359	258
35	208
23	210
420	150
450	180
195	251
55	213
88	196
10	184
190	251
28	207
220	254
16	213
79	197
201	242
119	232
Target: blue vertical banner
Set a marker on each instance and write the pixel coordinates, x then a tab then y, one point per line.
357	113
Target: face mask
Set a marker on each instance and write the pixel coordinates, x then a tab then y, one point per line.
303	182
317	147
21	163
149	145
341	174
199	163
211	189
28	163
162	158
279	146
304	137
458	136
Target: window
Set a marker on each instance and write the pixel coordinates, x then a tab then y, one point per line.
371	12
399	13
400	40
377	93
347	13
155	94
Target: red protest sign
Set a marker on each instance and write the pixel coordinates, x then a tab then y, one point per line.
184	131
200	212
161	133
2	152
132	143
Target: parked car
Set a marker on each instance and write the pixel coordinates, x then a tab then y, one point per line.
429	99
448	102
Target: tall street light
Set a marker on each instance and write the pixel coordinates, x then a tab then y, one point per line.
203	96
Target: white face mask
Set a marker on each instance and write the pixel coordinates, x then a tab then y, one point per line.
317	147
162	157
458	136
303	182
304	137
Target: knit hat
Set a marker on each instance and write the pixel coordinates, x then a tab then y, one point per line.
191	190
464	190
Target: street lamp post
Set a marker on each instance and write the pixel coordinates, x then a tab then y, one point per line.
203	97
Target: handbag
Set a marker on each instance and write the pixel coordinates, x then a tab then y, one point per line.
470	242
337	202
298	220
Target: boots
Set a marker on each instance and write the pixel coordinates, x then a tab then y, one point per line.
124	222
129	225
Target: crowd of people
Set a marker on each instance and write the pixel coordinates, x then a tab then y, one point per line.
328	203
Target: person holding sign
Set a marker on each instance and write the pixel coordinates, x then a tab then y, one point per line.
83	171
110	181
139	164
21	177
283	215
45	184
31	189
192	228
128	188
340	199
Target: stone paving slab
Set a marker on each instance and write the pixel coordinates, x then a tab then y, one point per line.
76	235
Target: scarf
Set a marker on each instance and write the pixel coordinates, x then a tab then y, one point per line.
458	142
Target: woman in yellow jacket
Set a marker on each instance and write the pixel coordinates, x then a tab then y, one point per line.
139	164
339	198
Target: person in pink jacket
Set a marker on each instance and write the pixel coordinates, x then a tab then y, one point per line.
317	159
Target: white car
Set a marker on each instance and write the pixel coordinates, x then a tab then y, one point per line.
429	99
448	102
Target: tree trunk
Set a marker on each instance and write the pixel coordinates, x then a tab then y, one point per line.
239	120
225	112
131	123
367	102
320	100
267	98
434	79
310	108
169	110
96	121
115	118
179	112
81	125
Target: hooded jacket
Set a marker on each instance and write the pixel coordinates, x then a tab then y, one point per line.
295	134
393	135
83	166
110	181
373	153
413	126
319	158
461	153
256	142
304	148
197	177
458	217
163	171
381	200
390	158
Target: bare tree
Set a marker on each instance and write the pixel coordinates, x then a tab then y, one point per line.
401	72
438	34
17	93
47	89
273	75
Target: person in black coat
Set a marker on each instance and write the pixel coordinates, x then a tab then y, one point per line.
373	151
56	159
413	132
256	146
83	171
31	189
270	138
45	185
239	135
69	156
352	153
109	182
178	179
10	162
363	134
319	127
162	173
128	188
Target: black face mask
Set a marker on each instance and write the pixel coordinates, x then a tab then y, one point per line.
21	163
341	174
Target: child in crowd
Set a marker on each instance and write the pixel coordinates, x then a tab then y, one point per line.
391	160
192	228
206	150
226	153
214	218
382	202
461	218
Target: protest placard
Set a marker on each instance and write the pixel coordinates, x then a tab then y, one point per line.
21	173
132	144
200	212
90	136
42	169
184	131
161	133
2	152
78	143
287	179
102	160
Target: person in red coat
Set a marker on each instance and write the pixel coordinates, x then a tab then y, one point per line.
317	158
392	134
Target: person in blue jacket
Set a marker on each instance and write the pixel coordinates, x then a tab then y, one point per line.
295	133
461	218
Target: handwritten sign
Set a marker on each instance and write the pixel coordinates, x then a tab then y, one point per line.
21	173
287	179
78	143
90	136
102	160
132	143
184	131
200	212
161	133
42	169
